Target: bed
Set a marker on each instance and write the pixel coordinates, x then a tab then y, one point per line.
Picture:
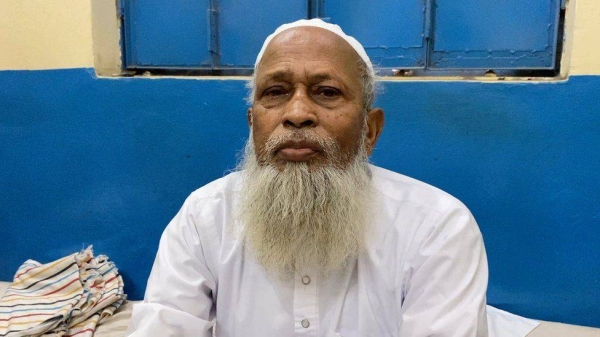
117	324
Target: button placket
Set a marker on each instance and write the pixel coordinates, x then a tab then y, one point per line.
306	306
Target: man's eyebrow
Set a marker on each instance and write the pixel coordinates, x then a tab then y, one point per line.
284	75
319	77
277	75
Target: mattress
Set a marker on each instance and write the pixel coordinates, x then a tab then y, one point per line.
117	324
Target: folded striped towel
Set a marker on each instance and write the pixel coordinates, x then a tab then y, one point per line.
67	297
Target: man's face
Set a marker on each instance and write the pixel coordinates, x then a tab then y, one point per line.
309	81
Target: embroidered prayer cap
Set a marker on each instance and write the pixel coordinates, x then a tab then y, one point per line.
324	25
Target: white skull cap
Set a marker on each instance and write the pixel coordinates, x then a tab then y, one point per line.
321	24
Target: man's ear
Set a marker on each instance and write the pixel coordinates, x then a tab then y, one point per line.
375	121
249	116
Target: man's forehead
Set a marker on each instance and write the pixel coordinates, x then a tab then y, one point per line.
283	72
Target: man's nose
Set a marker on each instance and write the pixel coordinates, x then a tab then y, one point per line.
300	111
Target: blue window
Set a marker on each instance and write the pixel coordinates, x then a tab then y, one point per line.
506	34
392	31
201	34
218	36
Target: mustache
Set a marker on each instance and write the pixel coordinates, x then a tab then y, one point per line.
303	138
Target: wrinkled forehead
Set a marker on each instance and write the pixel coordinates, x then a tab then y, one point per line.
312	53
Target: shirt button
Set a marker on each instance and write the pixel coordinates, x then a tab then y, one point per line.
306	280
305	323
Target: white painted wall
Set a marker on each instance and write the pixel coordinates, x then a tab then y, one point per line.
55	34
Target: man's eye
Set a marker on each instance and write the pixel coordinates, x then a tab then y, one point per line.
274	92
328	92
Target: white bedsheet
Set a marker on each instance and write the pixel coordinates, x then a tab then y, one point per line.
500	323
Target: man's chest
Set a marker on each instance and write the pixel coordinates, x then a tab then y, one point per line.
361	300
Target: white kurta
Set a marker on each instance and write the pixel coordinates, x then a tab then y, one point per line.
424	273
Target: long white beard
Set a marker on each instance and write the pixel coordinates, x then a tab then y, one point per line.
305	217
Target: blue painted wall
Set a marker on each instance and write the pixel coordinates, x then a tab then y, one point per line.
108	162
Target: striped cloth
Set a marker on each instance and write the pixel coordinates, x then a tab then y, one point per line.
67	297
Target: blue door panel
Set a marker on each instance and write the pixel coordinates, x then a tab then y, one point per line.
391	31
172	33
495	34
244	25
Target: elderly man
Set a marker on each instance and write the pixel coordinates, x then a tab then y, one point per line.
308	238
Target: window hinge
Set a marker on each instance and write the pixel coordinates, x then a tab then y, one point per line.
121	8
213	33
316	9
213	19
428	19
563	4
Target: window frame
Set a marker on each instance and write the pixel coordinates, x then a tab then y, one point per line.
315	8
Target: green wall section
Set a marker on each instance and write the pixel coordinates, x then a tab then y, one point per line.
108	162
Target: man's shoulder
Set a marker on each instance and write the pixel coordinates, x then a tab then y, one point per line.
401	188
222	187
419	210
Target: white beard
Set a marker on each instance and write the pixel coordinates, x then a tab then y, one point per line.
305	217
